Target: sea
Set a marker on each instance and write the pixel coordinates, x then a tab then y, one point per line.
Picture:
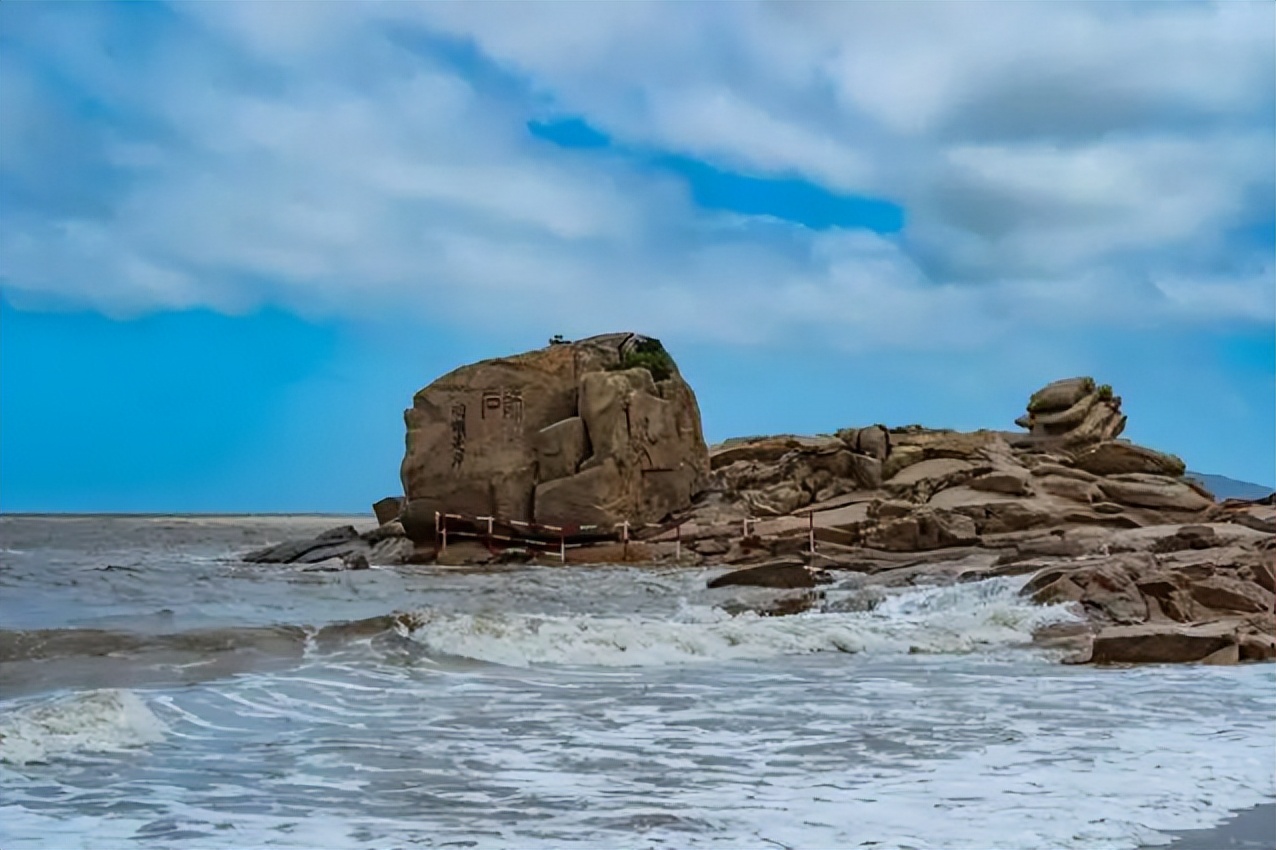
156	691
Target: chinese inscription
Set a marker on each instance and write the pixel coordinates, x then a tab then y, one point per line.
512	405
458	434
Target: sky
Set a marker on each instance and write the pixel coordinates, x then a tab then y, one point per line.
235	238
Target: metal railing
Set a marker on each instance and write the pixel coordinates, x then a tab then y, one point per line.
556	540
553	539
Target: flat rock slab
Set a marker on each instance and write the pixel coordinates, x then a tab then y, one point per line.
1163	643
783	575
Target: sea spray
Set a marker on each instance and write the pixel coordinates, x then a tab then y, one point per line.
958	618
91	721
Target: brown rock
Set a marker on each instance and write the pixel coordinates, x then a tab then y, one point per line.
1260	516
974	446
1044	469
757	449
1257	647
1108	589
560	449
1163	642
888	509
1111	593
504	438
1069	488
1010	482
901	458
387	509
785	575
920	481
1062	421
1062	589
924	529
873	441
819	471
1263	573
591	497
1092	414
1187	537
1113	457
1222	593
1011	515
1060	395
1104	421
1153	491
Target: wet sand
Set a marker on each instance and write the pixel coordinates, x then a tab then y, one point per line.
1252	829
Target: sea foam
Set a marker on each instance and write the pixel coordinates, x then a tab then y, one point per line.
92	721
955	619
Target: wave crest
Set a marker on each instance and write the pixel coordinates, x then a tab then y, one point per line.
104	720
955	619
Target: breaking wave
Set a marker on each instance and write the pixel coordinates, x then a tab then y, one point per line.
956	619
43	644
93	721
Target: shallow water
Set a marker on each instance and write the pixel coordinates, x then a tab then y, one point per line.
157	692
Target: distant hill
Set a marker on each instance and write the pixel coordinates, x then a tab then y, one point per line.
1229	488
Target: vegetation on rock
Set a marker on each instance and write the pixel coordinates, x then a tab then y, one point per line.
648	354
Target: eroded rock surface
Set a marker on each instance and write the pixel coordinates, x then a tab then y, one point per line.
593	432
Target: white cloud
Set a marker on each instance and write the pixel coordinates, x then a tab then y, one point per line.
1060	165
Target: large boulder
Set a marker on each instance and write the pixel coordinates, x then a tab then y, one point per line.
1060	395
592	432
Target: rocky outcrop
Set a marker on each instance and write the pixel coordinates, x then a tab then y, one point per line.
603	430
1188	601
344	547
1259	515
587	433
774	477
1073	412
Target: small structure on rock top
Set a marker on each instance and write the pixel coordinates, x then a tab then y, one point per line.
591	432
1074	412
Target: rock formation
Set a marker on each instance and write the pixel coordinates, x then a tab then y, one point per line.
604	429
344	546
1072	412
593	432
1205	593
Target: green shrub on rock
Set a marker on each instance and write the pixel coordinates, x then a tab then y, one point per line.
648	354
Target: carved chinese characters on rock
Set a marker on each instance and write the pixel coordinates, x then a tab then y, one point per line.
512	413
458	434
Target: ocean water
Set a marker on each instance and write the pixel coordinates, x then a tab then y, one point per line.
156	692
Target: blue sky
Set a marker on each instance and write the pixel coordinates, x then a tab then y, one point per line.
236	238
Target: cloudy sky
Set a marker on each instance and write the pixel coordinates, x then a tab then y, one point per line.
236	237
